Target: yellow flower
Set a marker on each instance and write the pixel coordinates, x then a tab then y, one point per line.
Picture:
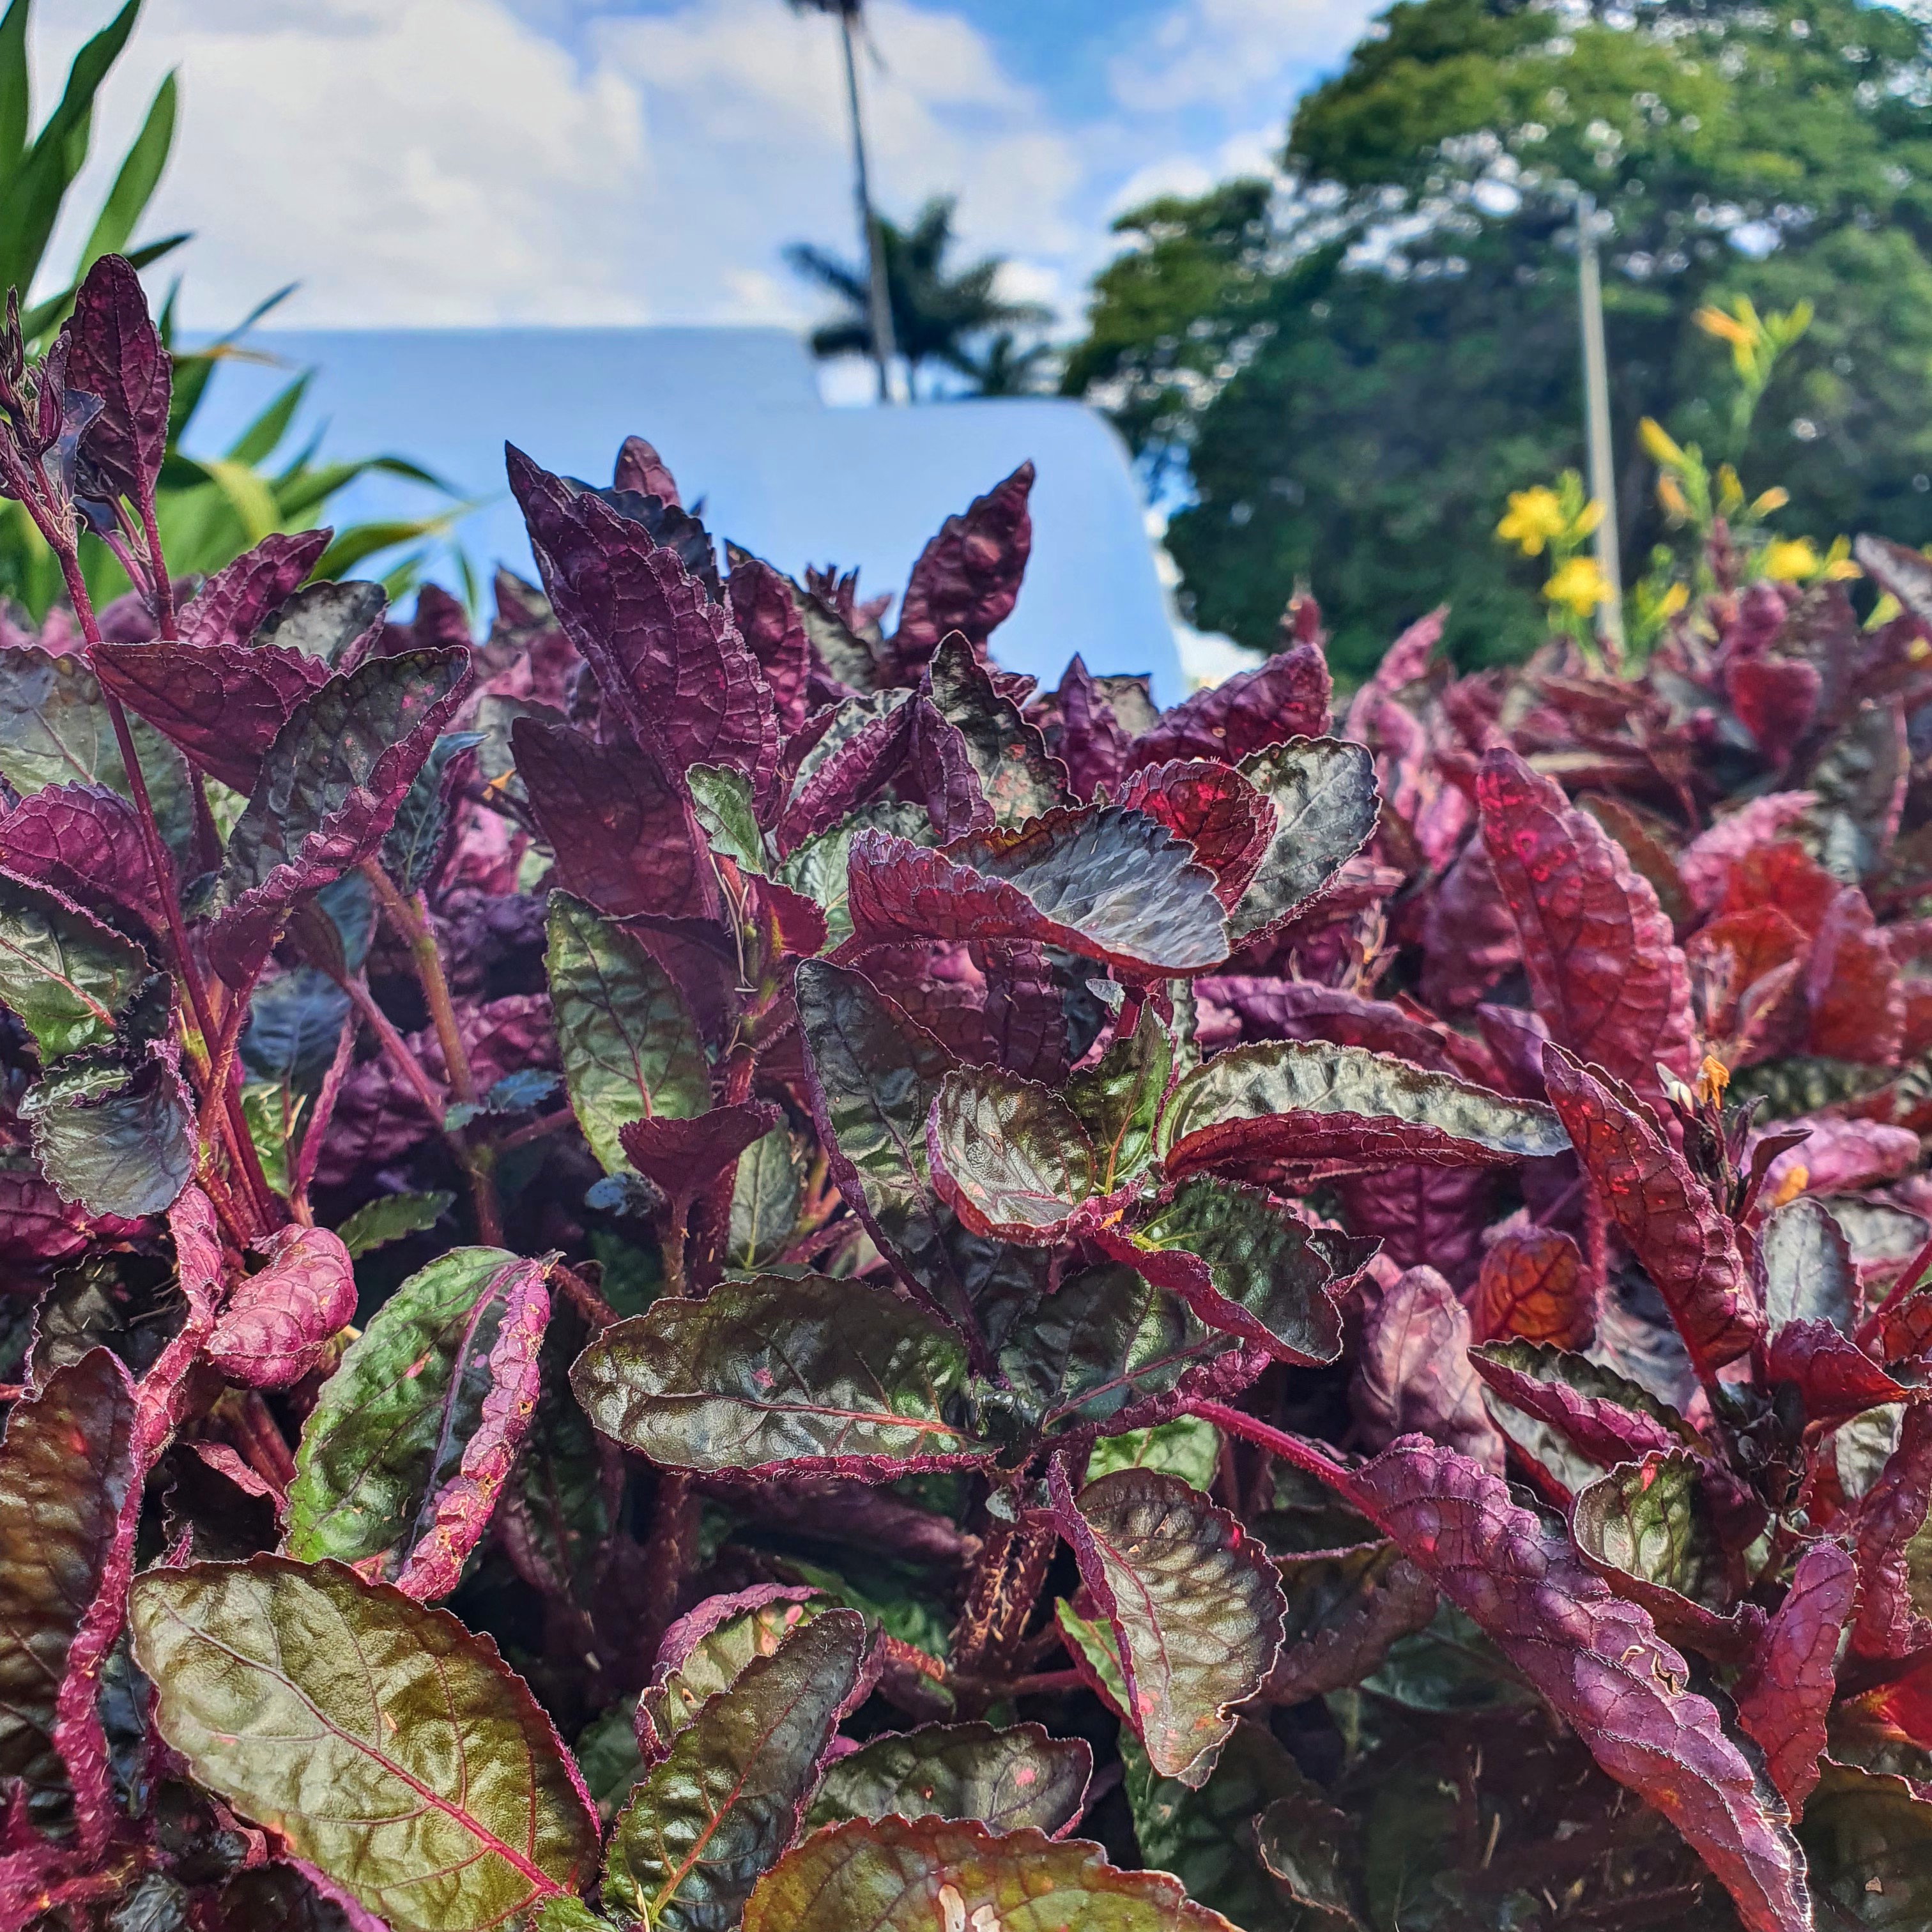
1676	506
1534	516
1763	504
1579	586
1657	444
1790	560
1730	491
1793	1184
1725	327
1838	564
1673	600
1588	518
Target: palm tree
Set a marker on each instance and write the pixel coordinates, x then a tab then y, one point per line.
936	312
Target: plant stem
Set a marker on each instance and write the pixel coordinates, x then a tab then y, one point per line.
674	1526
584	1297
161	589
1304	1456
550	1123
410	920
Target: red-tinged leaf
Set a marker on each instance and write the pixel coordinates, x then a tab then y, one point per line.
1705	865
1423	1216
1017	778
1607	1418
276	1322
1647	1528
229	608
1774	699
1852	987
1229	823
778	1370
1860	774
1469	938
640	468
1270	1009
1325	804
1025	1017
954	803
1533	1285
1195	1605
1840	1156
457	1511
67	1470
868	742
932	1875
766	614
707	1648
85	843
1091	740
222	703
968	578
1786	1692
1784	875
328	790
1286	697
1604	971
385	1743
669	661
1006	1777
684	1156
1297	1100
622	837
1345	1608
1686	1244
1599	1661
1108	884
1745	969
116	353
1412	1373
36	1226
1893	1512
1405	661
1835	1377
1246	1265
1009	1157
1643	839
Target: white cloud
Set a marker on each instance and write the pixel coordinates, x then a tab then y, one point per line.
1231	53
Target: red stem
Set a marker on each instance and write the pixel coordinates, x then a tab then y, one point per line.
161	589
1303	1455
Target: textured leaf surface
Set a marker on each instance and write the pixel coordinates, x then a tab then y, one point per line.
704	1821
893	1875
629	1045
1010	1157
780	1370
1834	1378
1412	1374
1889	1624
1785	1694
1006	1778
1607	1418
706	1651
684	1156
1533	1285
65	974
85	842
1599	1661
1325	807
66	1467
120	1143
228	608
1870	1840
274	1328
1244	1263
1195	1605
116	353
387	1744
431	1374
1604	971
1345	1608
1647	1529
1227	821
1313	1100
1286	697
1673	1227
1018	777
968	577
1806	1263
1108	884
1118	1099
764	1200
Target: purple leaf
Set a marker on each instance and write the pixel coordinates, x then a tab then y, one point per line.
867	741
1685	1242
278	1321
1533	1285
1889	1624
85	843
1412	1372
1605	1417
1834	1378
230	606
1089	740
1422	1216
766	612
968	578
1286	697
116	353
223	704
1787	1689
1705	865
1019	779
640	468
1227	821
684	1156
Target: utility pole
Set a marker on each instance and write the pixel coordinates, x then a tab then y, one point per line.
878	293
1596	416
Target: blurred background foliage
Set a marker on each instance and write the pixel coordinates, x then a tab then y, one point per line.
1342	376
211	508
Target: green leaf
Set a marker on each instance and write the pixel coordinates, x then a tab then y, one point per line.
1311	1099
1806	1263
784	1369
16	89
1117	1100
65	974
931	1875
390	1747
1018	777
388	1430
134	185
715	1661
568	1915
764	1201
1646	1527
392	1217
1206	1837
1005	1778
1186	1447
1325	806
817	868
703	1823
1244	1263
1195	1604
1302	1839
630	1046
721	800
117	1141
1870	1843
1090	1640
66	1465
414	842
1008	1156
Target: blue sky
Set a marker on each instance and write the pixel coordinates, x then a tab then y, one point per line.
475	162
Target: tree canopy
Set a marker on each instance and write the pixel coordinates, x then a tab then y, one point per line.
1357	363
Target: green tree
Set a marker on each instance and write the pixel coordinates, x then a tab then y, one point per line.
1355	368
942	315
